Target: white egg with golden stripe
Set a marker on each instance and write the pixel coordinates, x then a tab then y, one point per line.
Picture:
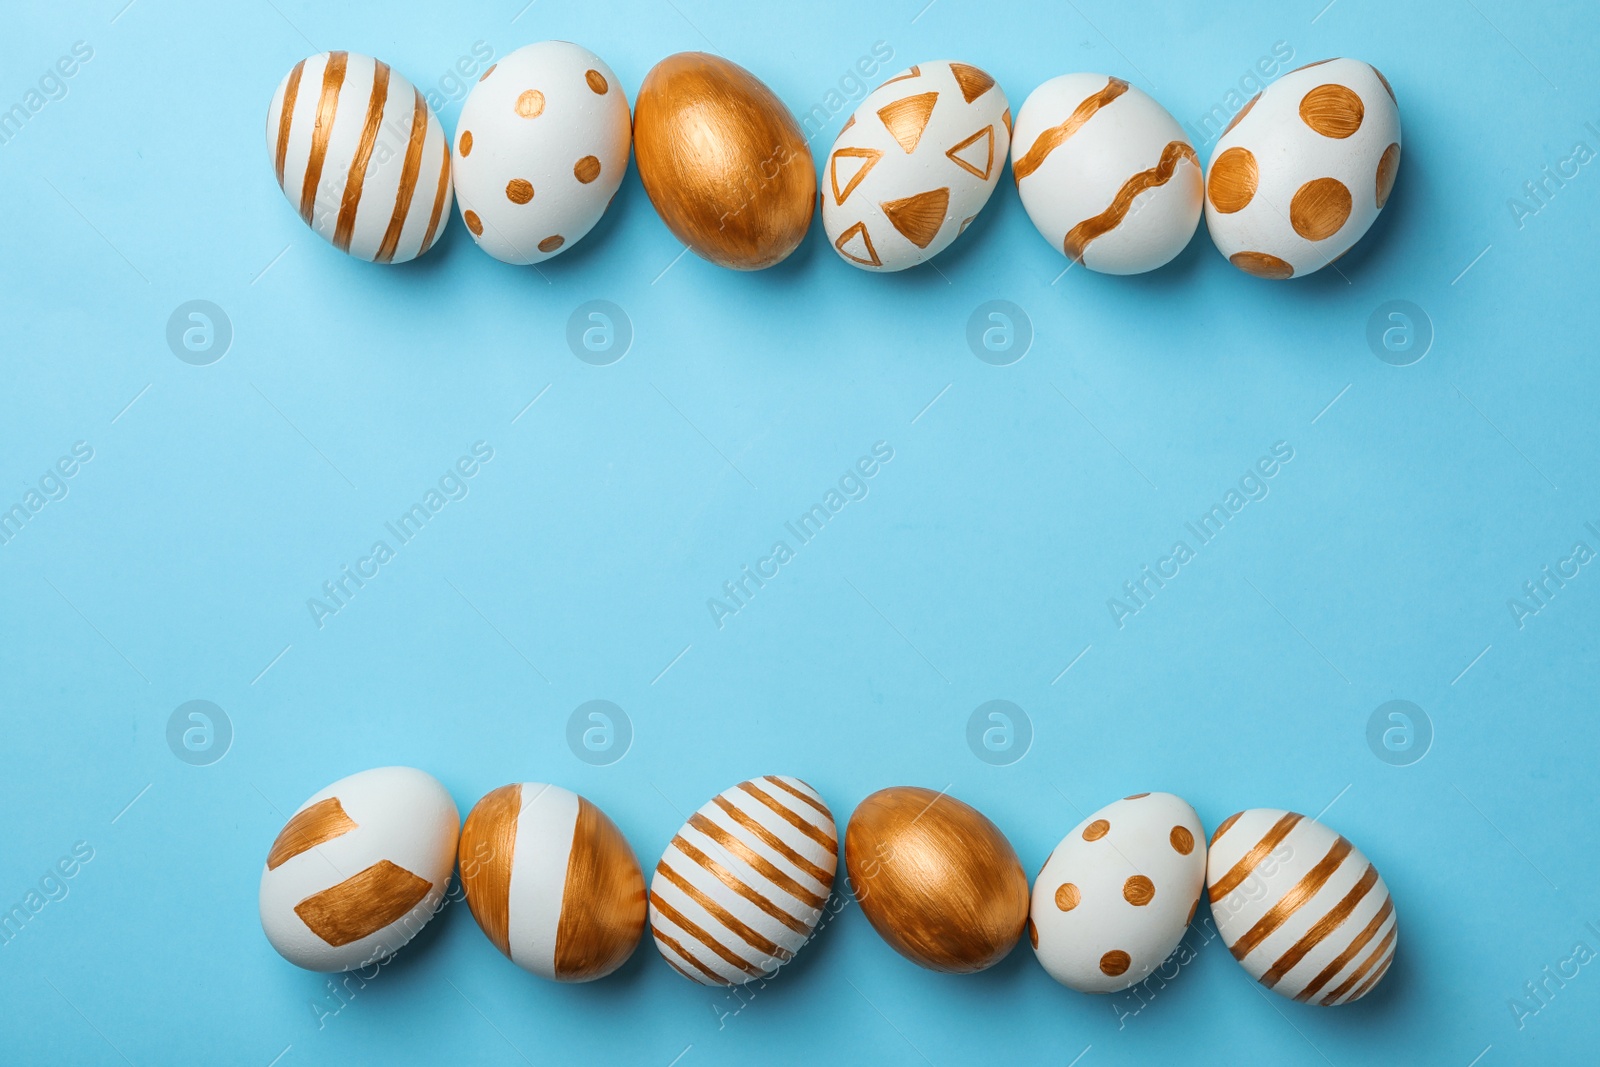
359	869
1116	895
914	165
742	886
1300	908
1105	173
540	150
1303	170
361	156
552	882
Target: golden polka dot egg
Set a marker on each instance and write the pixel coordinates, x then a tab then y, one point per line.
1303	170
541	148
1302	909
552	882
1115	896
360	156
359	869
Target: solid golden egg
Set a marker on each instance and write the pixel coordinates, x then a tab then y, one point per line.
937	880
724	162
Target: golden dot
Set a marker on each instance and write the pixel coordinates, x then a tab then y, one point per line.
1332	110
488	72
586	169
1096	830
1232	184
1067	896
596	80
1136	796
1242	113
466	143
1182	840
1138	890
1388	167
530	105
551	243
1115	962
519	190
1320	208
1226	825
1033	933
474	223
1262	265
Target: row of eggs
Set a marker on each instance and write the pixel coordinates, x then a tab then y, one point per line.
1105	173
364	864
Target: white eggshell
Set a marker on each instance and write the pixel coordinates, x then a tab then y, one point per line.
1302	172
541	148
914	165
1300	908
1105	173
742	886
1114	898
361	156
359	869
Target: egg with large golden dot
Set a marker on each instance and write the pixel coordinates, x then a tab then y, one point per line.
937	880
723	160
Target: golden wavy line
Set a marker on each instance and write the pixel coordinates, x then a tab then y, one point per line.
1056	136
1078	238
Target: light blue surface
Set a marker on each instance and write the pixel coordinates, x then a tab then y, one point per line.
978	567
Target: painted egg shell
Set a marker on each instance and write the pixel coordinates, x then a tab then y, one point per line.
540	151
937	880
552	882
742	886
1105	173
1301	173
359	869
1116	895
724	162
1300	907
361	156
914	165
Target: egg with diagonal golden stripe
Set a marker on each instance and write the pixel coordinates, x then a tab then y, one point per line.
1301	908
914	165
742	886
359	869
552	882
360	156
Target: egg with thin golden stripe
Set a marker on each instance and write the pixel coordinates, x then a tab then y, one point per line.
552	882
1301	908
742	885
359	869
360	156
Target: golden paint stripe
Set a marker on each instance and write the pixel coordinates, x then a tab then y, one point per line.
732	881
602	904
1376	976
1241	870
673	943
682	922
327	111
1079	237
1056	136
680	970
1321	928
792	817
1343	960
345	229
747	933
1361	972
322	821
408	180
291	93
772	840
801	795
1292	901
438	201
756	861
362	904
1227	824
487	846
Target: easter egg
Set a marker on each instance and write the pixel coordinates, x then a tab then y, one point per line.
360	155
724	162
552	882
1301	173
541	148
1105	173
914	164
938	881
1300	908
742	885
1116	895
359	869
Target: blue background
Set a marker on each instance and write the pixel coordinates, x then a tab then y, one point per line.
220	498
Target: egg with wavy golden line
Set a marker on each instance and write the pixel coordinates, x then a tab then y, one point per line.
723	160
936	879
552	882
